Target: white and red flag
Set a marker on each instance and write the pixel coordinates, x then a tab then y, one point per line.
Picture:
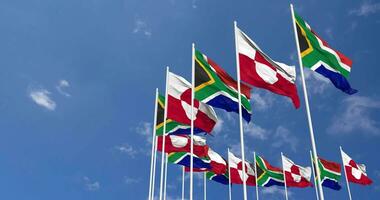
236	170
296	175
356	173
182	143
217	163
259	70
179	105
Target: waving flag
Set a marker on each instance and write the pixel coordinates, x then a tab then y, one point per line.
259	70
220	178
330	174
172	127
216	88
182	143
236	170
267	175
356	173
217	164
183	158
179	105
295	175
317	55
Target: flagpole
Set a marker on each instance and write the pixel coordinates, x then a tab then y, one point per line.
307	104
154	167
257	185
163	135
183	182
283	172
204	187
166	174
229	175
192	120
151	185
345	173
240	114
315	182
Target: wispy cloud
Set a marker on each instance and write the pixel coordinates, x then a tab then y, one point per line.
194	4
91	185
130	180
62	85
145	129
127	149
262	100
218	126
329	33
283	137
256	131
356	115
142	28
366	8
275	191
316	83
42	98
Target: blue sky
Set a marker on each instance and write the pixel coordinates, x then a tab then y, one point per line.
77	88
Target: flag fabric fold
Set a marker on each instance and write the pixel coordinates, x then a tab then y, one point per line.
318	56
220	178
217	88
179	105
236	171
296	175
183	158
267	175
259	70
356	173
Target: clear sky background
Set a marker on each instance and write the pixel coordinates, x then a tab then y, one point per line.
77	82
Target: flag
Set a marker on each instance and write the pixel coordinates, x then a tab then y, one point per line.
179	105
356	173
259	70
217	163
330	174
268	175
236	170
220	178
183	158
296	175
172	127
317	55
182	143
216	88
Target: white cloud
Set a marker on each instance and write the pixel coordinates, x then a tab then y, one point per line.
41	97
256	131
316	83
366	8
129	180
145	129
91	185
262	100
283	137
62	84
194	4
218	126
275	191
127	149
141	27
356	115
329	32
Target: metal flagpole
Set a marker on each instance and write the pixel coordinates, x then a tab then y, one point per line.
204	186
166	174
183	182
307	104
240	114
345	173
151	185
229	175
154	168
315	181
163	136
257	185
192	120
283	172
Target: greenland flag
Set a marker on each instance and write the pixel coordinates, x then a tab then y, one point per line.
356	173
259	70
179	105
236	171
182	143
295	175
